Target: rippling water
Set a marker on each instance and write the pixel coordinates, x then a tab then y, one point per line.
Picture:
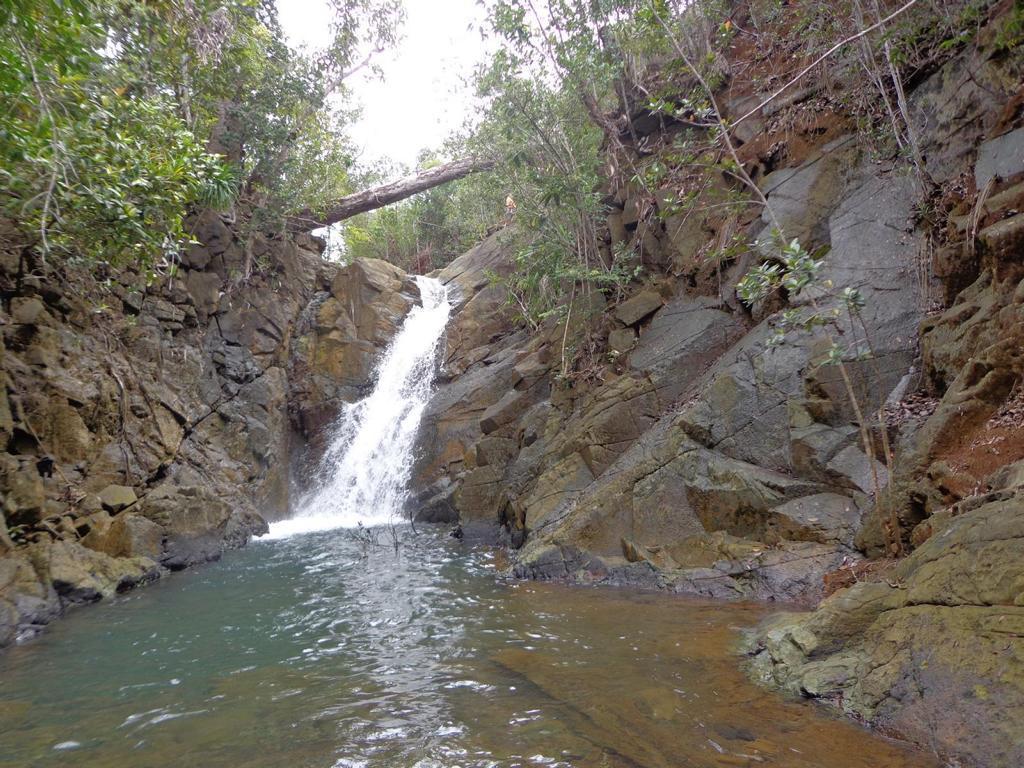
321	651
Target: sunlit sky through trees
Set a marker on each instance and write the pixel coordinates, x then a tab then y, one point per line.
425	92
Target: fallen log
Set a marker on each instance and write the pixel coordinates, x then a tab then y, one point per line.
386	194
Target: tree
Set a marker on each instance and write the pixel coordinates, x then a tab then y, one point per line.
119	117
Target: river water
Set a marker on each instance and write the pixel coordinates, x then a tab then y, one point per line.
322	650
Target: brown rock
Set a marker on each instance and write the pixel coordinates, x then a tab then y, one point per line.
28	310
638	307
117	497
128	535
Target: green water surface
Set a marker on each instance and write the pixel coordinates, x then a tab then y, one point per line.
318	651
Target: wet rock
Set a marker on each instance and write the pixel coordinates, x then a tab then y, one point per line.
436	503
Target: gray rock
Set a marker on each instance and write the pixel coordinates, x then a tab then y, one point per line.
1000	157
802	199
502	412
854	467
636	308
823	517
683	339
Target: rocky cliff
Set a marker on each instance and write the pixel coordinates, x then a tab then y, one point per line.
148	423
653	439
660	441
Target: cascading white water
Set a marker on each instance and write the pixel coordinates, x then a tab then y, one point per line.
366	468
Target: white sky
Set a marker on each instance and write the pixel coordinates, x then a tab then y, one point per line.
424	95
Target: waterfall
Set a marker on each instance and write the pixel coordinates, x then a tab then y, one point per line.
364	473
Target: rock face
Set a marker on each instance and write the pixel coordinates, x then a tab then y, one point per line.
339	337
147	427
931	650
689	455
701	461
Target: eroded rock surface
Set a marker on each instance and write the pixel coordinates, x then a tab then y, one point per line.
147	427
687	454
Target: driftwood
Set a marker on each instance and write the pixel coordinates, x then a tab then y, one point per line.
385	194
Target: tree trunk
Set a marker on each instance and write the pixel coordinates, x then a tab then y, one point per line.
385	194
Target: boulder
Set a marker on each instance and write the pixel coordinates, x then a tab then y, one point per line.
82	575
197	525
934	651
636	308
114	498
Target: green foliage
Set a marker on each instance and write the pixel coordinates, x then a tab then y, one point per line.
120	117
798	273
426	231
85	163
560	68
1010	36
